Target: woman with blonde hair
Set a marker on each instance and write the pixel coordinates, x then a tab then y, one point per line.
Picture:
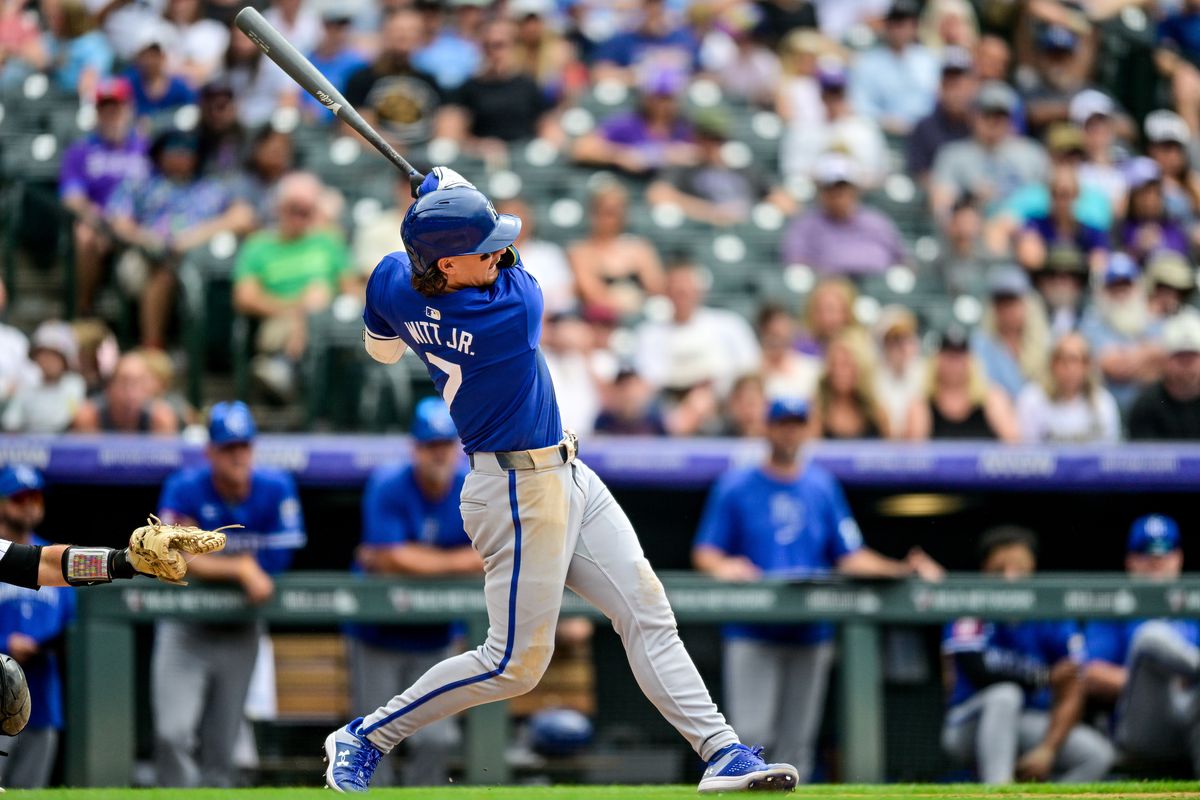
958	402
948	23
828	312
845	405
1071	405
798	98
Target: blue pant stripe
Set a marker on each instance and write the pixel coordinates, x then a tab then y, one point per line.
512	622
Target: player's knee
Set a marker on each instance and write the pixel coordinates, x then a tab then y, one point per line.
1004	697
526	668
1151	637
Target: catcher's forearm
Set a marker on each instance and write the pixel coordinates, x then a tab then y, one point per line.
87	566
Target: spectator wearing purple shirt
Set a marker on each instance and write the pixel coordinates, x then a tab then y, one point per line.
92	168
1147	225
841	236
654	136
168	214
154	88
1060	226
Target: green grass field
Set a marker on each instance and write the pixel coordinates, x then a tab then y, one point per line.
1154	790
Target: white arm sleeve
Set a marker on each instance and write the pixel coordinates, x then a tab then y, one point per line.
382	349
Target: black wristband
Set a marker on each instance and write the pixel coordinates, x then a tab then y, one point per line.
119	565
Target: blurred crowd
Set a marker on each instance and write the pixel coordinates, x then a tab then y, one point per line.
1063	226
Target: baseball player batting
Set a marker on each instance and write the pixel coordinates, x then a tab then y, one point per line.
461	299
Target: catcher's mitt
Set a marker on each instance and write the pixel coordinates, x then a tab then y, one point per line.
157	548
14	697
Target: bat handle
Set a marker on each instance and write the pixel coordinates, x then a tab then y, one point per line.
415	179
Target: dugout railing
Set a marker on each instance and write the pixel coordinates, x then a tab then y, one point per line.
101	731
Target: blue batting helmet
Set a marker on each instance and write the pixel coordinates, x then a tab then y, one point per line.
559	732
454	222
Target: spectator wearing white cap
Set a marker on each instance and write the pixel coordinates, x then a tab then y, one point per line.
1102	123
1170	408
1168	142
896	82
49	405
842	129
124	20
1070	405
1011	338
840	235
990	165
1119	331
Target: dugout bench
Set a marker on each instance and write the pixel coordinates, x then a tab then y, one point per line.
100	735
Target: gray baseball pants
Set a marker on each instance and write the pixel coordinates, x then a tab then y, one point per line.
379	672
539	530
775	694
199	679
30	758
1158	714
993	728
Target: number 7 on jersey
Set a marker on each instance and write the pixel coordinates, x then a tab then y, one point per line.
453	377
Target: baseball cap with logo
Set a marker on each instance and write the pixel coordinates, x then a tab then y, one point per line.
833	169
432	422
1165	125
956	60
18	478
1142	171
1153	535
1057	38
1010	281
231	423
785	409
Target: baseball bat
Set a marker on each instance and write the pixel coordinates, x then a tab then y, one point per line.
309	78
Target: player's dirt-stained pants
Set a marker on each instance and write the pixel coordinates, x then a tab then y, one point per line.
538	530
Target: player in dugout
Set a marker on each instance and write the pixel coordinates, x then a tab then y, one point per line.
785	519
412	526
200	674
1149	668
1017	693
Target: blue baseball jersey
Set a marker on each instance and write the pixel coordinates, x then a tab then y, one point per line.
43	615
480	345
272	523
795	527
1109	640
1026	648
396	511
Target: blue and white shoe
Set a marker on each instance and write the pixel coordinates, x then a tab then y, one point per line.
738	768
352	759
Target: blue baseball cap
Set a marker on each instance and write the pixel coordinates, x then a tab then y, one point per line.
432	422
231	423
1058	38
1121	268
1154	535
17	478
787	408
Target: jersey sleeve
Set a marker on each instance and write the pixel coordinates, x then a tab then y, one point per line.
374	320
384	522
1105	641
843	534
176	502
286	533
719	524
71	177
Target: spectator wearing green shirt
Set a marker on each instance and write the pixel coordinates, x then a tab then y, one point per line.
286	273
